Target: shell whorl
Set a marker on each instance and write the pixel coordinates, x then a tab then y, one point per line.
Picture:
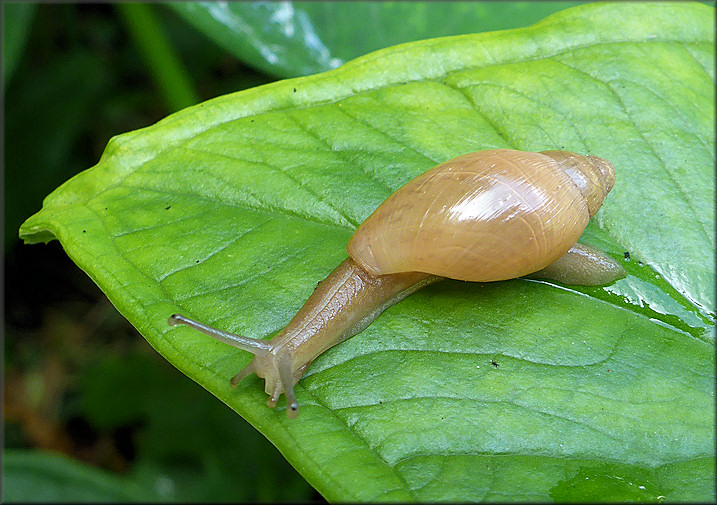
484	216
593	176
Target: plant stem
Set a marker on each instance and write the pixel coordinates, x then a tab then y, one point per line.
169	74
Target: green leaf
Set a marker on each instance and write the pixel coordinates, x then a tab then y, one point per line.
35	477
231	211
290	39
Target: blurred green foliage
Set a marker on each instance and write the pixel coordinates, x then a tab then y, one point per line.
16	19
289	39
30	476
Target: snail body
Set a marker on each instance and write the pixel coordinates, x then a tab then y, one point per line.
484	216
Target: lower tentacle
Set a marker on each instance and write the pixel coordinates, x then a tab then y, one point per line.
244	372
274	398
287	381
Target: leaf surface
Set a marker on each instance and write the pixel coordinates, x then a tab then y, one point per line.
231	211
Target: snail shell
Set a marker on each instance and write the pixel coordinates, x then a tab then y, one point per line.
483	216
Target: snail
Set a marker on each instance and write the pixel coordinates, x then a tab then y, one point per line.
484	216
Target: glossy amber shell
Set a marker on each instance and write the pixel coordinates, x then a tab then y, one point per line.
484	216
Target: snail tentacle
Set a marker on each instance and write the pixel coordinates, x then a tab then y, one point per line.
253	345
244	372
287	383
